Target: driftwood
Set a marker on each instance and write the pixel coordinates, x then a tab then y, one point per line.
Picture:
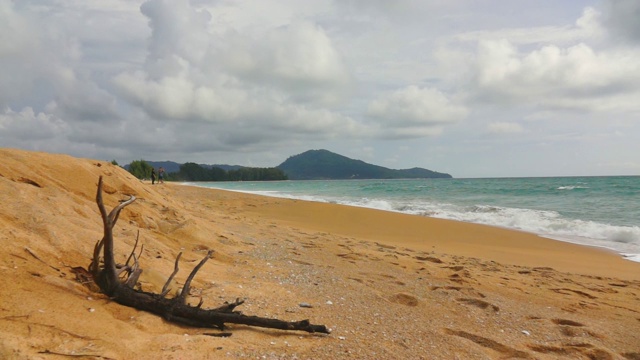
118	282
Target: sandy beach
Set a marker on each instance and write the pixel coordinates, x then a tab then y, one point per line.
389	285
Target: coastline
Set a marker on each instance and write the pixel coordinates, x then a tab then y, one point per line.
527	205
389	285
421	233
511	246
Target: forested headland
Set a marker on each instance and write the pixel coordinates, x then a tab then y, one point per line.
194	172
310	165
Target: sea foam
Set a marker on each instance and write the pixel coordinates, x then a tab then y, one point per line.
547	223
589	211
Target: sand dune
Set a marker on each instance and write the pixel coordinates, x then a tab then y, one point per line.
390	286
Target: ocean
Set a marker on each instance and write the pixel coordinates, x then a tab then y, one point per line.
593	211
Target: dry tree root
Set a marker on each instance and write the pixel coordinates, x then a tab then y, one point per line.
118	281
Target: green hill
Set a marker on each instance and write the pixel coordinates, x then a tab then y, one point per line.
323	164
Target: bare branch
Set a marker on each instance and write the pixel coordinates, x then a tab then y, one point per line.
182	298
165	288
175	309
107	278
115	213
134	248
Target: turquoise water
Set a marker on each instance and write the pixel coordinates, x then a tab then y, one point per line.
596	211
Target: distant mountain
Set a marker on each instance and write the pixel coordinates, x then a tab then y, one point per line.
319	165
323	164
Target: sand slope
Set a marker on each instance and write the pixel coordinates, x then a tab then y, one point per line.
389	285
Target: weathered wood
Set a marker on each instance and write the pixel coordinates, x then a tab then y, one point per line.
107	275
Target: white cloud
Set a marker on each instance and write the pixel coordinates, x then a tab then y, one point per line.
299	58
178	32
267	78
550	68
414	112
170	97
16	35
27	125
179	98
573	77
44	64
587	27
269	84
505	128
19	47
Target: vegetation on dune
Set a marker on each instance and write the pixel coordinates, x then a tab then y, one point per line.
194	172
140	169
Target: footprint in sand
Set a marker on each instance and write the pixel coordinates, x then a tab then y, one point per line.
200	248
566	322
572	328
352	256
384	246
461	277
308	245
456	267
580	306
430	259
478	303
28	181
404	299
469	291
505	350
566	291
582	350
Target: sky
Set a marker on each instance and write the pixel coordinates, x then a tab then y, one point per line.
473	88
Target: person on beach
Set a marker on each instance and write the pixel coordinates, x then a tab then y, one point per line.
161	175
153	176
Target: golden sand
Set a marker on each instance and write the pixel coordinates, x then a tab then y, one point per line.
390	286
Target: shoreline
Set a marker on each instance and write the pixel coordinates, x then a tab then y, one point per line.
635	258
499	244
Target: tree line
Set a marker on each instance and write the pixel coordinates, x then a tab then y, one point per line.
194	172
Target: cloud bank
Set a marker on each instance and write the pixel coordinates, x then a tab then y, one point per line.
255	81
